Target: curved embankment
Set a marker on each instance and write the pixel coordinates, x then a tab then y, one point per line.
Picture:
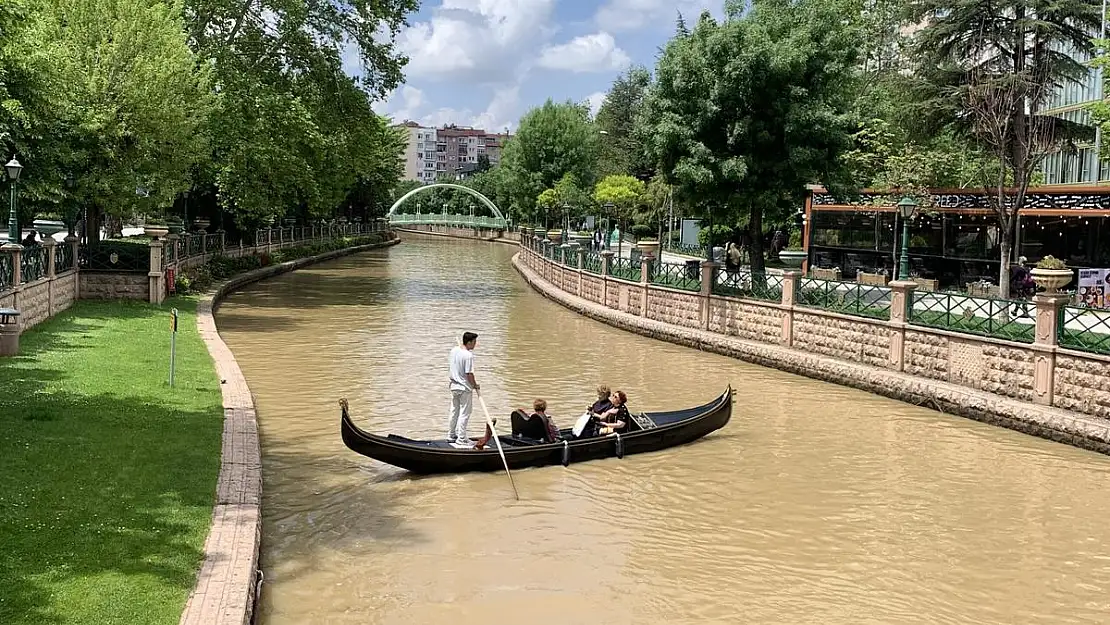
228	580
1051	423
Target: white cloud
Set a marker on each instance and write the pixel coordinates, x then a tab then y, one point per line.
627	15
500	114
489	41
403	104
589	53
595	99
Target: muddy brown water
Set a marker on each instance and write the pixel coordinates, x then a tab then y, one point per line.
816	504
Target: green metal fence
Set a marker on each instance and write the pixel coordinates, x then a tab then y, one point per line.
677	275
6	274
63	258
743	283
32	263
850	298
997	318
624	269
1084	329
457	221
592	263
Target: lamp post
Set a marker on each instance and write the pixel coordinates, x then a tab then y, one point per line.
608	206
13	168
566	220
185	210
907	206
71	222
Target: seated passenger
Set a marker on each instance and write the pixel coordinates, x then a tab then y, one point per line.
603	403
615	420
540	408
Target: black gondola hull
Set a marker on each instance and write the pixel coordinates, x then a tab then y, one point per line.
428	457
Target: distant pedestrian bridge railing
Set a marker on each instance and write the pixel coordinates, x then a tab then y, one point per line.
441	219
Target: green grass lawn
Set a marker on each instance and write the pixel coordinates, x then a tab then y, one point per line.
107	476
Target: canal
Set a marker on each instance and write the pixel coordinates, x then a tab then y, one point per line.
816	504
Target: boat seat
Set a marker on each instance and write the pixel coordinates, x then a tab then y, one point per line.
528	428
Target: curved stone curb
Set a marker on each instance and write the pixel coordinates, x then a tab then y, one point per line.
1051	423
448	235
225	589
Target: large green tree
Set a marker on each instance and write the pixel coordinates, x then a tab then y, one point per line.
551	141
122	97
746	112
621	152
1000	62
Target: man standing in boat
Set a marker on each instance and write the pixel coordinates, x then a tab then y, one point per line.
463	385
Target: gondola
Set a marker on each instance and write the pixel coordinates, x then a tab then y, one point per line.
647	431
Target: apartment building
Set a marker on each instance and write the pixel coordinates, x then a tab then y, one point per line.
451	150
1082	165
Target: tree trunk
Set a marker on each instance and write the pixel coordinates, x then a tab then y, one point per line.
1004	264
755	231
92	226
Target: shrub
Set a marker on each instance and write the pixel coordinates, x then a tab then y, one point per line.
1051	262
643	230
721	234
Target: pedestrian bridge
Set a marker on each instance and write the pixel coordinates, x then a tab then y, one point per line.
476	222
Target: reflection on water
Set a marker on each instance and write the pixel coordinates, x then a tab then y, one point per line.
816	504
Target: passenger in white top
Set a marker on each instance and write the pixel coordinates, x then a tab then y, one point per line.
462	385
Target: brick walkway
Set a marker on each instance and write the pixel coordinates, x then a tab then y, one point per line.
225	590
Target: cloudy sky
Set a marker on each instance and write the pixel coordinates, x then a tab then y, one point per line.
483	63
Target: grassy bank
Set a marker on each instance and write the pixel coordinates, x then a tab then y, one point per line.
107	476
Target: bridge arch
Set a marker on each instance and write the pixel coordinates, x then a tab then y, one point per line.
483	199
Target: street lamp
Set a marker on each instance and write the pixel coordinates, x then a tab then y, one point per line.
566	222
608	206
907	206
71	222
13	168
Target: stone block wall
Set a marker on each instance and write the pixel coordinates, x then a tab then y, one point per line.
1042	373
854	340
97	285
1083	385
42	299
675	307
747	320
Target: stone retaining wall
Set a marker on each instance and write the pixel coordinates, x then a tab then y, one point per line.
39	300
983	378
487	234
225	589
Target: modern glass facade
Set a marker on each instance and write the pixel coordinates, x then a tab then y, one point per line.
1080	166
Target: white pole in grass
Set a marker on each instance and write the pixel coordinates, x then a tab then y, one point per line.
173	342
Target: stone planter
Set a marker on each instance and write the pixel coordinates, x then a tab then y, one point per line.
48	227
201	224
792	258
156	231
1051	280
555	236
580	239
649	247
175	227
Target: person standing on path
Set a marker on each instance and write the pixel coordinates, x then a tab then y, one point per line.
462	385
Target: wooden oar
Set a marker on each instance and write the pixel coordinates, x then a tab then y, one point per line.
501	451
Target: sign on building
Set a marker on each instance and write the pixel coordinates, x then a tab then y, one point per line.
1094	288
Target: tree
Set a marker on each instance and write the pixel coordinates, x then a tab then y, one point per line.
552	141
1002	61
745	113
621	153
129	99
624	192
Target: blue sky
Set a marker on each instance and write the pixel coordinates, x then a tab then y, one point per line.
483	63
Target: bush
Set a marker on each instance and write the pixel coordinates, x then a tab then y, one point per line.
642	230
795	242
1051	262
199	279
721	235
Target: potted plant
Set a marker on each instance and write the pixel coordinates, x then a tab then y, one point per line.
1051	274
581	236
49	225
556	236
201	223
155	227
175	225
793	255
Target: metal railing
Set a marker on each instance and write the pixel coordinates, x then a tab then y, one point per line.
1084	329
440	219
676	275
761	286
32	263
850	298
63	258
592	263
624	269
7	276
997	318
